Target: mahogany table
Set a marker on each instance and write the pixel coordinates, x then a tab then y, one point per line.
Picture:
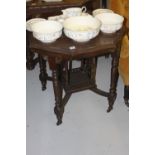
64	50
39	8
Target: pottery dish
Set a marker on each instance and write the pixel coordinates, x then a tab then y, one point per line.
47	31
111	22
100	10
81	28
30	22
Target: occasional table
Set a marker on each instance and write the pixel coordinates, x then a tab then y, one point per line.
64	77
40	8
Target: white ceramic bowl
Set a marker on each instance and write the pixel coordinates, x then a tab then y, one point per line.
59	18
100	10
47	31
73	11
81	28
111	22
30	22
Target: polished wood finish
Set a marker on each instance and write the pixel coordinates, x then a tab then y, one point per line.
97	4
61	53
39	8
30	61
43	74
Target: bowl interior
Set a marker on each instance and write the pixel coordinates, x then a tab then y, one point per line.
46	27
99	11
81	23
110	18
32	21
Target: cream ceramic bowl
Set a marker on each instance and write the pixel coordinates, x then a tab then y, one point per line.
59	18
74	11
81	28
111	22
47	31
30	22
99	11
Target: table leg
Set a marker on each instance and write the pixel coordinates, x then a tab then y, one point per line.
93	64
114	79
30	64
59	107
43	74
126	95
57	87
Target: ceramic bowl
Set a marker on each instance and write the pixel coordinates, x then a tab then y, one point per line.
100	10
59	18
74	11
111	22
30	22
85	14
47	31
81	28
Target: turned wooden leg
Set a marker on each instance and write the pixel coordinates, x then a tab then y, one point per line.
126	95
114	80
93	63
82	63
43	74
59	107
30	64
66	73
57	69
85	66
